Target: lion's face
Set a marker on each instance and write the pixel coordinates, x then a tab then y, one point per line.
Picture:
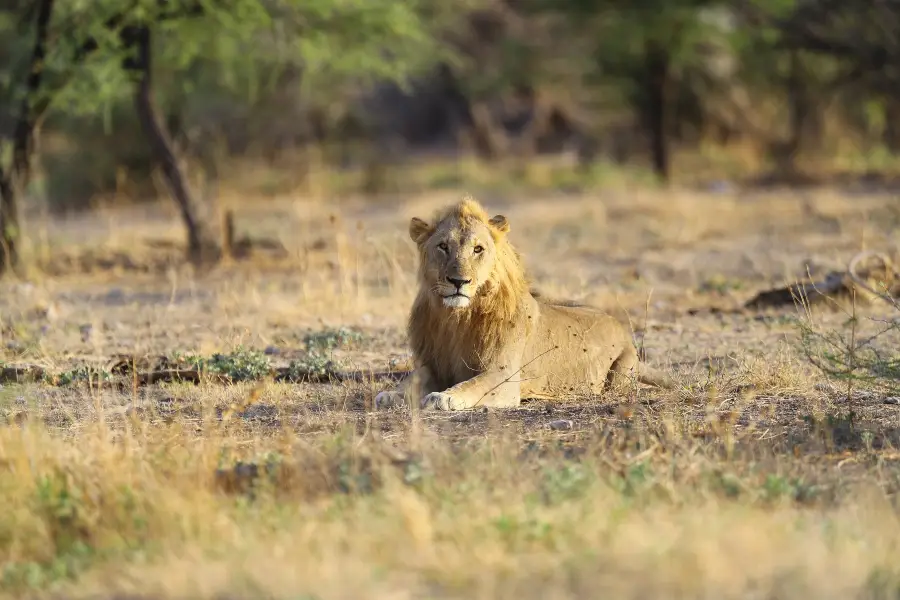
458	255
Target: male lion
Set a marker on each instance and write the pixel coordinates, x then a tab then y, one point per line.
480	338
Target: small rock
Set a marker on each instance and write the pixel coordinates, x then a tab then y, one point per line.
271	350
561	425
892	400
86	331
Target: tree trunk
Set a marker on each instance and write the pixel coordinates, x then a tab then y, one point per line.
204	241
892	124
19	173
9	226
657	82
798	111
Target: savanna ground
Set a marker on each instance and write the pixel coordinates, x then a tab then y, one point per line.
750	482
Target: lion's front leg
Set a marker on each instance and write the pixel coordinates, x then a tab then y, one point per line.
412	387
499	389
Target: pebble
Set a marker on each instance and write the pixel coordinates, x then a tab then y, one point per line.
561	425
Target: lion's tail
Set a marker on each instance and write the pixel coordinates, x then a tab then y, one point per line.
652	376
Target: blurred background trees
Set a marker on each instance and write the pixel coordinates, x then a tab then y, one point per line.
127	99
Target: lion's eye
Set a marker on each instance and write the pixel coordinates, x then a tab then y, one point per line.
443	247
479	249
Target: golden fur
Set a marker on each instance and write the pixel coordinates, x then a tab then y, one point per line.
479	336
483	331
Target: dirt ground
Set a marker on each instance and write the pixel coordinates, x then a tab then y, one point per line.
111	284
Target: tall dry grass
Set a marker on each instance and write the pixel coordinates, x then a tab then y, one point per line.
136	510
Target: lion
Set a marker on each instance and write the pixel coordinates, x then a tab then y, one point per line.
480	337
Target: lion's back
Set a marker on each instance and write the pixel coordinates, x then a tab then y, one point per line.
571	346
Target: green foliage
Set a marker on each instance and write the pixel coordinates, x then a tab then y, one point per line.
238	50
314	363
244	46
239	70
634	480
60	504
319	360
329	339
242	364
567	482
84	373
777	488
514	530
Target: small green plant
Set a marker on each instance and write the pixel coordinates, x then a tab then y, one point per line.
193	361
314	364
843	355
529	529
565	483
242	364
727	484
635	479
848	356
329	339
60	503
319	361
79	374
777	487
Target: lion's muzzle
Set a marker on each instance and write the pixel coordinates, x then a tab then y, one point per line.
460	297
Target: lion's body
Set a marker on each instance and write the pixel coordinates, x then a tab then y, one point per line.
485	340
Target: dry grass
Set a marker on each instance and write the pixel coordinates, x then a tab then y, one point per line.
749	483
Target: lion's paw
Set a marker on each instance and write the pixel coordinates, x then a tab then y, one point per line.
438	401
388	400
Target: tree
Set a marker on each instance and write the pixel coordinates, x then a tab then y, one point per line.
824	54
15	172
647	49
88	55
642	52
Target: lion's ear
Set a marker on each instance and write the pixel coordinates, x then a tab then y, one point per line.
500	223
419	230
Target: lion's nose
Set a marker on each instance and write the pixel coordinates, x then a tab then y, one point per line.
458	282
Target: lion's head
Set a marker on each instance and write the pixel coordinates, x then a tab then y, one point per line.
471	286
465	256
